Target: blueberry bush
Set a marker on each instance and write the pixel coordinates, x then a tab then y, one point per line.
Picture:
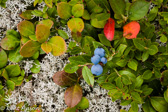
120	45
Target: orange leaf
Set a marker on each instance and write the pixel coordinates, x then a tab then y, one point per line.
131	30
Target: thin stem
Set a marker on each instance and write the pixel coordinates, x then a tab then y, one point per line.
116	72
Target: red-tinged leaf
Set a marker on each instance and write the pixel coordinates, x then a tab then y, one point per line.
26	28
58	45
29	48
46	47
63	79
76	24
26	14
42	33
47	22
73	95
131	30
109	29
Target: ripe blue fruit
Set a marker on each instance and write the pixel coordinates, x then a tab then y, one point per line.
97	69
100	52
103	60
95	59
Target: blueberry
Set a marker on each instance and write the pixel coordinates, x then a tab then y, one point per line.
97	69
95	59
100	52
103	60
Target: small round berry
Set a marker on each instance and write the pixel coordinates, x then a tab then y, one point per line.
97	69
100	52
95	59
103	60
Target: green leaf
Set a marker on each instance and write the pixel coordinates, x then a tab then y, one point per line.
26	15
104	40
70	109
97	24
76	24
10	85
125	102
164	15
138	9
64	10
49	3
86	15
136	97
107	85
63	34
47	22
145	56
166	95
83	104
36	55
138	82
10	42
88	76
163	38
73	95
121	63
26	28
29	48
78	10
3	59
33	37
133	64
36	67
147	74
42	33
46	47
103	16
147	107
17	80
139	44
58	45
164	78
93	7
152	49
13	70
37	13
134	106
89	30
120	50
35	2
126	80
5	74
119	83
80	60
128	73
71	68
118	7
152	14
14	55
159	104
146	91
63	79
87	45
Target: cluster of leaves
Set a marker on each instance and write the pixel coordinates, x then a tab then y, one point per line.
34	38
136	71
3	3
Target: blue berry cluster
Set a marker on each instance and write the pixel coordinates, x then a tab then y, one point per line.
99	54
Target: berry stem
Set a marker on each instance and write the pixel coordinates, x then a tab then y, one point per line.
116	72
